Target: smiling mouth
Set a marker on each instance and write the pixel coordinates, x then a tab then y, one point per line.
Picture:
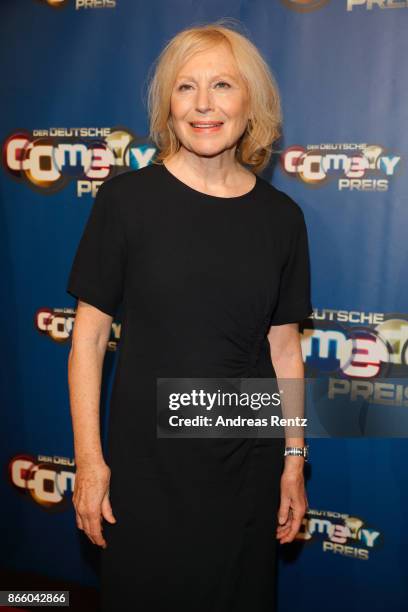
209	125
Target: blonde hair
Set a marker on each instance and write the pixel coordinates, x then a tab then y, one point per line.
265	115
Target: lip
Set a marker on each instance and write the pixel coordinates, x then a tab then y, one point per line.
211	126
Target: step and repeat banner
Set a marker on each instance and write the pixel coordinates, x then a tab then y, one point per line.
74	77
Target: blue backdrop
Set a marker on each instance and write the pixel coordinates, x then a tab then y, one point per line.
73	81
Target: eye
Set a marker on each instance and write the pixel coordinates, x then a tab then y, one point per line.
180	87
224	83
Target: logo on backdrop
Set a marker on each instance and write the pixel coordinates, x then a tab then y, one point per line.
353	344
376	4
340	534
80	4
47	481
305	6
360	358
47	160
355	167
57	324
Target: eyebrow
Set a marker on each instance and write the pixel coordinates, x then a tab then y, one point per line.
217	76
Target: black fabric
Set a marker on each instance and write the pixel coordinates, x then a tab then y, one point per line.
200	278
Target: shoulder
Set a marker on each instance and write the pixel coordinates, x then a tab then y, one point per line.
280	205
280	201
125	194
125	182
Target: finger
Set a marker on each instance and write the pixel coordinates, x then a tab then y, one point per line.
77	515
96	531
283	512
282	537
106	509
287	537
283	528
87	528
79	522
294	528
288	522
89	536
283	533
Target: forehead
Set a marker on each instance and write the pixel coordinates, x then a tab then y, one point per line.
217	60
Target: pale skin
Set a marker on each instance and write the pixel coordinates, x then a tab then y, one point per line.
208	87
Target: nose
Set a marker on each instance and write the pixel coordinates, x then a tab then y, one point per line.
203	100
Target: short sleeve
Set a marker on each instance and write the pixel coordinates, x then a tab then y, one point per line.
98	269
294	304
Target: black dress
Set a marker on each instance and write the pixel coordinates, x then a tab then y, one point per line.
201	279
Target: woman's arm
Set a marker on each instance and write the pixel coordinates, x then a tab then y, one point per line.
287	361
85	362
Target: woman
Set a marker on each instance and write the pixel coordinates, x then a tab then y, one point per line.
211	264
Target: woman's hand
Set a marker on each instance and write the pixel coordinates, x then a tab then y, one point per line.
91	500
293	503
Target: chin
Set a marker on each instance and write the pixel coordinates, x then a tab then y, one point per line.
208	149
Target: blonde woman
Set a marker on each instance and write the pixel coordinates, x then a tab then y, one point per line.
210	262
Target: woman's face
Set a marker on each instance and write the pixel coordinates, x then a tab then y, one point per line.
209	88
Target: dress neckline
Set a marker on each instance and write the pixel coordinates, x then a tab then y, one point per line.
176	181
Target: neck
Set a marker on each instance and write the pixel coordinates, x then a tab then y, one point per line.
221	172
